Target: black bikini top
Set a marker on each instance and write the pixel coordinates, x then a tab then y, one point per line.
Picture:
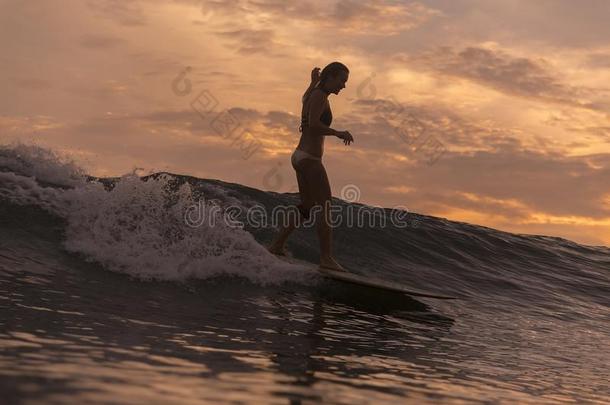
326	117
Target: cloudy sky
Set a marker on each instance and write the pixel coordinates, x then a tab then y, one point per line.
489	112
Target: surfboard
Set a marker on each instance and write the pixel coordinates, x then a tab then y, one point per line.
378	283
358	279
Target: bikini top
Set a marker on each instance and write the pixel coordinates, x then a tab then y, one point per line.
326	117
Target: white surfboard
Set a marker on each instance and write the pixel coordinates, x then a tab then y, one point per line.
366	281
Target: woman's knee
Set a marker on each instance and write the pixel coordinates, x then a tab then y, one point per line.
321	210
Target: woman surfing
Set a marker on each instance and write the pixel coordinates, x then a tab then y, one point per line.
314	188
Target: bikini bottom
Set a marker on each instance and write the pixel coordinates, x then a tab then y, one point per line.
299	155
296	157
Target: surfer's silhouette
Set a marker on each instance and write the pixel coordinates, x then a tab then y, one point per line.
314	188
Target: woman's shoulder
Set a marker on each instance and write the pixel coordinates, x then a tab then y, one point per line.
311	91
317	95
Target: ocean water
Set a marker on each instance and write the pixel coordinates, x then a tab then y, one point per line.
120	291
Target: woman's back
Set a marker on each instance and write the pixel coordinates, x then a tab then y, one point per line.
312	143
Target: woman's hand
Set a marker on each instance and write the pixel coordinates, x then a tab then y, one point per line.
346	136
315	76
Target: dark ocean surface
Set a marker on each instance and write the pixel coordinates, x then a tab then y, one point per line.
120	291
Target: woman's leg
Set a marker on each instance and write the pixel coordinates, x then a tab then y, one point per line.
277	246
320	194
314	190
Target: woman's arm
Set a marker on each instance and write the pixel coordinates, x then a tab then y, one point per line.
317	127
315	78
309	89
325	130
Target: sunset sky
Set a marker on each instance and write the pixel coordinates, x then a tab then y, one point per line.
516	94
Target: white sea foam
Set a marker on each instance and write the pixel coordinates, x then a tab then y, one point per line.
138	227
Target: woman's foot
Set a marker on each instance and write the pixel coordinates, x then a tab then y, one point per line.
277	250
329	263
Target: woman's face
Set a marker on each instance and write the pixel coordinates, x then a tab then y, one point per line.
337	83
